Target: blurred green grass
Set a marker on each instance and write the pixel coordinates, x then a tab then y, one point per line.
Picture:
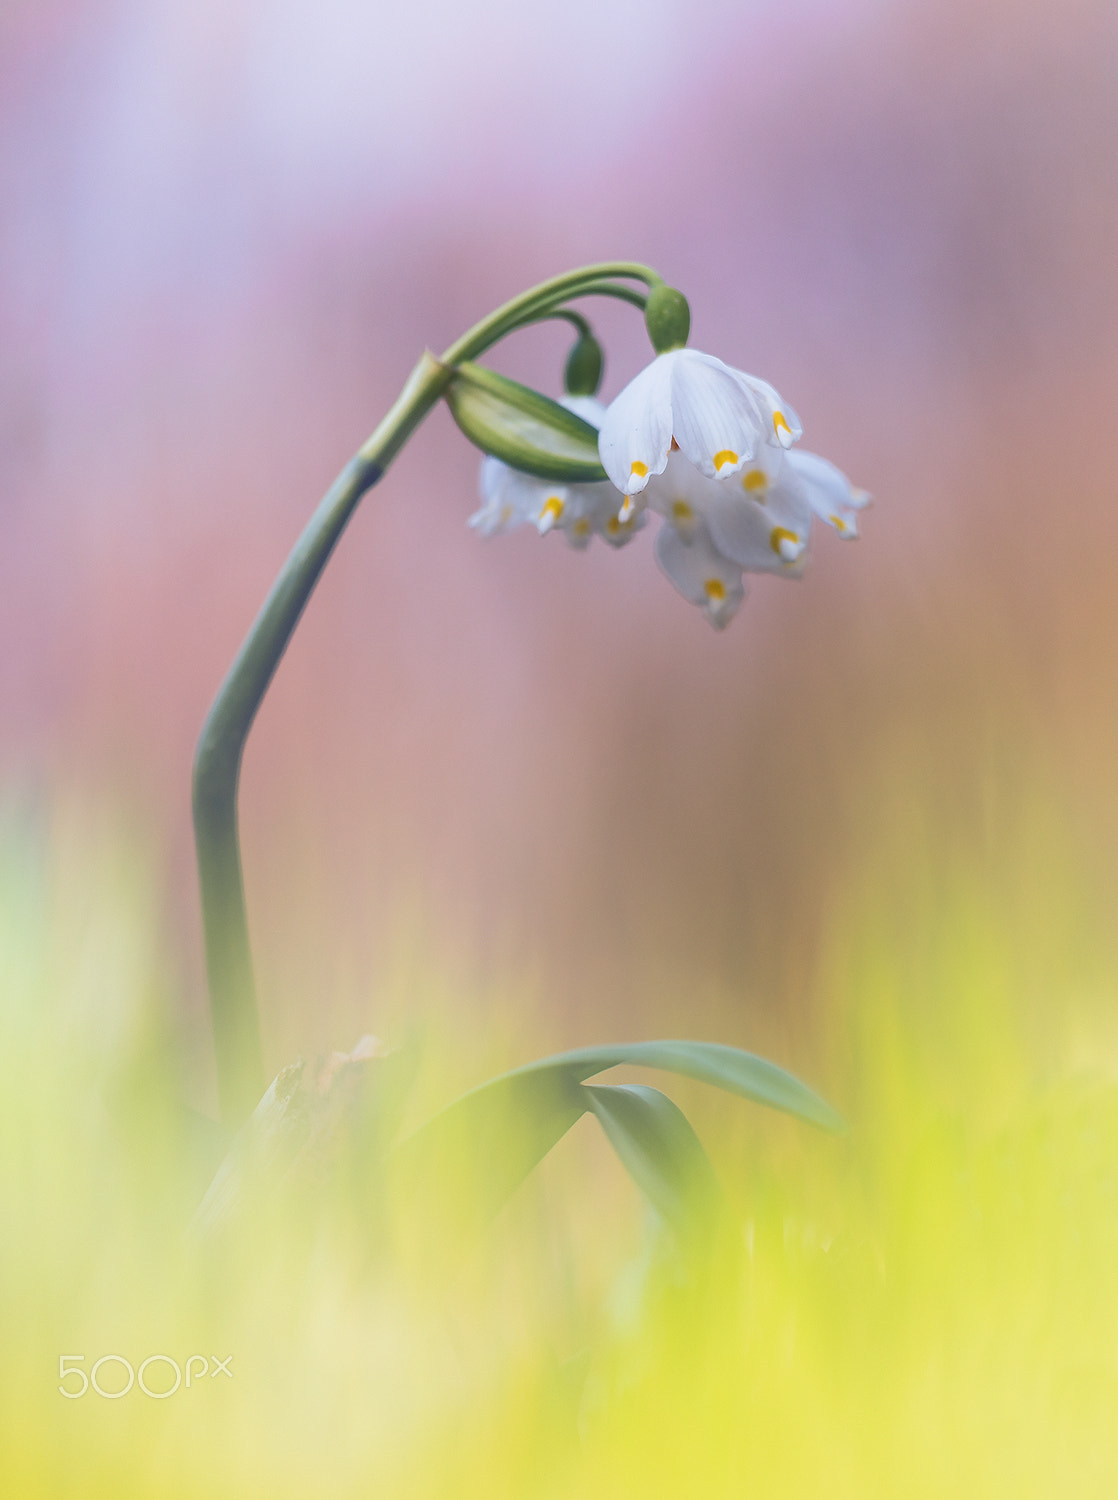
921	1306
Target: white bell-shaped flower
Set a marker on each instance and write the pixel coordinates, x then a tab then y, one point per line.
680	494
764	524
828	491
509	498
717	416
761	518
580	511
710	449
758	536
701	573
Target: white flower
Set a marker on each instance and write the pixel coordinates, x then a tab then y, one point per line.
579	511
700	572
828	491
764	523
762	518
510	497
718	417
758	521
710	449
755	518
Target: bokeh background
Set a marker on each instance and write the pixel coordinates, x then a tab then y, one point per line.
227	232
519	794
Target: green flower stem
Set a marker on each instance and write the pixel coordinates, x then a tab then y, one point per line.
540	299
613	289
594	289
566	314
217	761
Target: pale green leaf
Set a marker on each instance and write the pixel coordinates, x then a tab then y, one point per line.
660	1151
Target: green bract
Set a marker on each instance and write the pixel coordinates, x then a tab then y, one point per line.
521	427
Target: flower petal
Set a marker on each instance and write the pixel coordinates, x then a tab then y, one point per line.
763	531
828	491
700	573
507	497
592	511
715	420
617	532
758	477
636	430
681	494
589	408
781	424
551	508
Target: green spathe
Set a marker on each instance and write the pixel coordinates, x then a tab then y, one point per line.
522	427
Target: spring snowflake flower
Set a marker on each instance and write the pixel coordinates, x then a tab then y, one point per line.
764	522
579	511
717	417
708	447
828	491
701	573
756	522
687	499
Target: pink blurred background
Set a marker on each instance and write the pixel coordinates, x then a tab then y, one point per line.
226	232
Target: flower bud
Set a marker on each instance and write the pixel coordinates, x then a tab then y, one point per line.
583	374
667	318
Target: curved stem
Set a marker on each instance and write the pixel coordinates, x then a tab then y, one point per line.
559	309
217	761
548	294
566	314
612	289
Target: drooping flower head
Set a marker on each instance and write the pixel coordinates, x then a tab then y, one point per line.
716	416
708	447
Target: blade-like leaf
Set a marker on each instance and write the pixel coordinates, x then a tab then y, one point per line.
476	1152
523	427
725	1067
482	1146
660	1151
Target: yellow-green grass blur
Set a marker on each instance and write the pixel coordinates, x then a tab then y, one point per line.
922	1305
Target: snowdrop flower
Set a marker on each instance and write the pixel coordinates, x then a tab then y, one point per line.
764	525
755	519
579	511
684	496
762	519
757	522
716	416
707	446
701	573
828	491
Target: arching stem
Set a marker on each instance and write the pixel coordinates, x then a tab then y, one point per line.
217	761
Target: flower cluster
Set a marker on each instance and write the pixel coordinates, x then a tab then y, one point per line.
579	511
710	449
